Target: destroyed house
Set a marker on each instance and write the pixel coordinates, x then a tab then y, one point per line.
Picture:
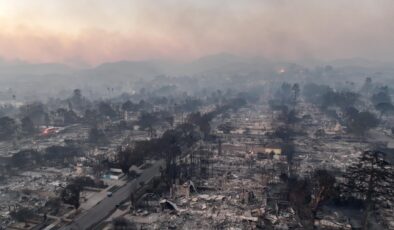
265	149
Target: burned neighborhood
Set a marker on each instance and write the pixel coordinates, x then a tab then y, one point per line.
170	116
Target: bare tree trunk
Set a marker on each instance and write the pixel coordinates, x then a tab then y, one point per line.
366	217
368	203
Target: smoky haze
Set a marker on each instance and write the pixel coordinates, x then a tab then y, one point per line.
48	48
93	32
196	114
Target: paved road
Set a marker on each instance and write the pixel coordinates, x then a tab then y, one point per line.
102	210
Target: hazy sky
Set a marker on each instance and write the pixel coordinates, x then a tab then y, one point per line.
95	31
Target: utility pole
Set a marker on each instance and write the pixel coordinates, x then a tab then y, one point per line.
220	146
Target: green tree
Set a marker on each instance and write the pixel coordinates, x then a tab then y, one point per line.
8	128
361	122
296	91
129	106
299	196
106	110
226	127
368	86
69	116
134	156
36	112
91	116
201	121
322	186
384	108
148	121
25	158
371	179
381	97
27	126
22	215
97	136
52	206
70	195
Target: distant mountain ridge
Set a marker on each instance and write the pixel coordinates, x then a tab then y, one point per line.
217	63
35	69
